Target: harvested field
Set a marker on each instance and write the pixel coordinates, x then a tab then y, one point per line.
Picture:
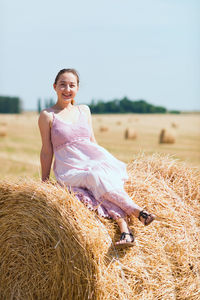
53	247
20	148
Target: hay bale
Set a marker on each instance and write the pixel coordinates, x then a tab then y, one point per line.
43	256
103	129
130	133
174	125
166	137
3	123
118	123
3	132
52	247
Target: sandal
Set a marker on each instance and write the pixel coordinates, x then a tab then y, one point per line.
148	218
126	243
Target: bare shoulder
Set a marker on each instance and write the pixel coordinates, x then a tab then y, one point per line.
85	108
45	116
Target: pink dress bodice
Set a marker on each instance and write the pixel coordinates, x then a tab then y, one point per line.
89	169
63	133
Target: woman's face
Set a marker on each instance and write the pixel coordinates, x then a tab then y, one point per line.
66	87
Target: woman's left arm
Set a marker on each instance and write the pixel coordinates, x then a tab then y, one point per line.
86	109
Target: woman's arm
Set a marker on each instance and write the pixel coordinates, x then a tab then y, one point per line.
46	154
87	111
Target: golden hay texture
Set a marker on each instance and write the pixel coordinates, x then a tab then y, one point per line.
130	134
166	137
53	247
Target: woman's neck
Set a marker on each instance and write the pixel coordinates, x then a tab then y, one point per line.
63	106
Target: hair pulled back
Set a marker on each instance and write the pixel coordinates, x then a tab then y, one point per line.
73	71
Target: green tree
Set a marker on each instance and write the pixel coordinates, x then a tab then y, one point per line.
125	105
51	102
39	107
10	105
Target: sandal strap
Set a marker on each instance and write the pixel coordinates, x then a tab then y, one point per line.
123	235
143	214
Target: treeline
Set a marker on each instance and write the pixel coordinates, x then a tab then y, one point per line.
10	105
126	105
44	104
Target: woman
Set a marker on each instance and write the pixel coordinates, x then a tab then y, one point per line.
80	163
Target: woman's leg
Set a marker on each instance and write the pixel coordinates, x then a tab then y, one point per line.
124	202
123	226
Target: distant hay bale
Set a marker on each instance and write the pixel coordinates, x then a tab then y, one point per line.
3	132
118	123
53	247
3	124
174	125
103	128
3	129
166	137
130	134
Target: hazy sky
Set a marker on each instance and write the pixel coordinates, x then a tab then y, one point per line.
142	49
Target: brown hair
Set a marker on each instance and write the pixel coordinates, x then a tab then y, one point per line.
73	71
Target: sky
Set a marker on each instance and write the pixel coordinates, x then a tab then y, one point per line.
141	49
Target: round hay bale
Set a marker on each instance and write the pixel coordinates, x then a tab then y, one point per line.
43	256
130	134
103	129
174	125
166	137
3	123
3	132
118	123
53	247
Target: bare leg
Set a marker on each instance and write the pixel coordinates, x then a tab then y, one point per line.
123	226
123	201
133	209
145	217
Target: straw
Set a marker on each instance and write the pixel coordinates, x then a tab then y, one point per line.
53	247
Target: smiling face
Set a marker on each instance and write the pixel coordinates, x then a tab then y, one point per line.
66	87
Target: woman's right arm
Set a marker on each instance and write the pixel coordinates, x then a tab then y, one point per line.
46	154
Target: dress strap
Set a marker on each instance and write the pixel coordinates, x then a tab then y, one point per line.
79	109
51	123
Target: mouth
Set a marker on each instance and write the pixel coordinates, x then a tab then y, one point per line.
67	96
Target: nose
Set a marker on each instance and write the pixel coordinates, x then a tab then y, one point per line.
67	87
